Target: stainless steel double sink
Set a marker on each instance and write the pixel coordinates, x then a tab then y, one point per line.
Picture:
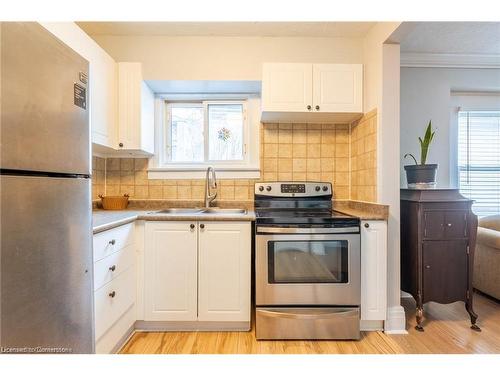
202	211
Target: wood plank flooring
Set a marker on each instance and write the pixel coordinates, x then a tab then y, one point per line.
446	331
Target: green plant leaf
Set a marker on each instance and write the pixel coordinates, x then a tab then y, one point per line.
413	157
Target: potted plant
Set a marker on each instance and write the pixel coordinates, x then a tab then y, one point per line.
422	176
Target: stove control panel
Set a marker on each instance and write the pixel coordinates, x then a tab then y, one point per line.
293	189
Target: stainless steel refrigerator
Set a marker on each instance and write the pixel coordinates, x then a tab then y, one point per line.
46	302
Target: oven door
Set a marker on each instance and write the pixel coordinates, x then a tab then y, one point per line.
307	269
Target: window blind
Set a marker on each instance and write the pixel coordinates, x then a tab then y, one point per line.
479	159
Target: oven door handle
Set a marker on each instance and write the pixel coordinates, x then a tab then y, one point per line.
315	315
261	229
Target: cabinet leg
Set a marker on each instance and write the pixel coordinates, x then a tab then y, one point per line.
419	317
473	315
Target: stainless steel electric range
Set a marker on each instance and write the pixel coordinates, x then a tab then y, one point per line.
307	264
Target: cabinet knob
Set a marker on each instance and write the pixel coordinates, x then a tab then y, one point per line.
367	225
191	226
448	225
112	268
120	144
112	242
309	107
202	226
427	267
112	294
317	108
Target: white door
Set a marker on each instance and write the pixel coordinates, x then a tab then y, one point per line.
170	271
373	270
287	87
224	271
338	88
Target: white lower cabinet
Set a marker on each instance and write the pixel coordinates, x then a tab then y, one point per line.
170	271
115	281
197	271
373	270
224	271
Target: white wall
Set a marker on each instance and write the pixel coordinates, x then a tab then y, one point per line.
426	95
381	91
225	58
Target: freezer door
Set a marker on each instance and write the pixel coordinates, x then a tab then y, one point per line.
43	125
46	264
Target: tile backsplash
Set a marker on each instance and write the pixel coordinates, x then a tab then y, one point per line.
344	155
364	158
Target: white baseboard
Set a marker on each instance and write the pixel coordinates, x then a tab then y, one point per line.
162	326
395	323
371	325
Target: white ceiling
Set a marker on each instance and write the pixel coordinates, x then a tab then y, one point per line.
482	38
273	29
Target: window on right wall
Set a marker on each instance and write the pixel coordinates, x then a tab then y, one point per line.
479	159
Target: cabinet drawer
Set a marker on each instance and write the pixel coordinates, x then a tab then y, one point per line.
446	224
108	309
113	240
110	267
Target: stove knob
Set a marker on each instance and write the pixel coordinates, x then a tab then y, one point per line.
317	188
261	188
268	188
325	188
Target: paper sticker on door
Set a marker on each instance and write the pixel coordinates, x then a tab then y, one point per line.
80	96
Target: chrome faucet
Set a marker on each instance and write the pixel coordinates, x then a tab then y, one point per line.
210	183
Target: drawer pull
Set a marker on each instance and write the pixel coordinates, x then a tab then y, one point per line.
367	225
112	242
112	294
112	268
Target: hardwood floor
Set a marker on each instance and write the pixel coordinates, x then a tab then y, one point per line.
446	331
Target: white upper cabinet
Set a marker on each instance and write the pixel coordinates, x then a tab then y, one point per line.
103	81
338	87
321	93
135	110
287	87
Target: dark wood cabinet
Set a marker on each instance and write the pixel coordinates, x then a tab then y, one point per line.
438	235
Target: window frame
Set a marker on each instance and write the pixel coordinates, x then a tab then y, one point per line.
161	166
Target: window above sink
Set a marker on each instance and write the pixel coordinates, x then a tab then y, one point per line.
195	132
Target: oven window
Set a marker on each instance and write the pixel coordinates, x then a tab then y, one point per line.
307	262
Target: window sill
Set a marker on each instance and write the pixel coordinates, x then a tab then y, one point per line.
196	173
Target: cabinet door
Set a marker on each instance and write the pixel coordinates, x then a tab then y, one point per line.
224	271
373	270
170	271
338	87
129	105
445	271
287	87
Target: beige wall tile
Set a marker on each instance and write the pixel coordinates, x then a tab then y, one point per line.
170	192
155	192
141	192
285	165
299	151
112	164
299	136
184	192
313	136
285	176
313	176
127	189
270	165
299	176
313	150
299	165
112	189
285	151
141	178
327	150
127	164
197	192
270	135
140	164
126	178
241	192
285	136
313	165
327	164
342	150
270	150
